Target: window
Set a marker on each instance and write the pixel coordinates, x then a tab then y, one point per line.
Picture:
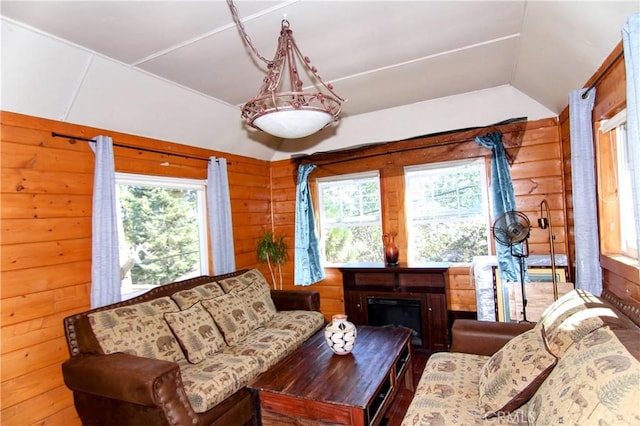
350	218
162	230
447	211
615	199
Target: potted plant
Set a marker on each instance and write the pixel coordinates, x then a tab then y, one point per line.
272	250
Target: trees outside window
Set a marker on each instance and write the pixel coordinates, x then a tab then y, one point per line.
162	230
447	211
350	218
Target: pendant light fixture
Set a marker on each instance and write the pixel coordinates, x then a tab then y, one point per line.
282	107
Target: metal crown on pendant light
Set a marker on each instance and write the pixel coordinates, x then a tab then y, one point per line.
292	113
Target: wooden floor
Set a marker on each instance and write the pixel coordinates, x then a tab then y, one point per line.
403	399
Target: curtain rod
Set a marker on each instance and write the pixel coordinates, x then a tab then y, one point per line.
378	154
414	148
60	135
585	94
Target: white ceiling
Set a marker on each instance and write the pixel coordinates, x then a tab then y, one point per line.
380	55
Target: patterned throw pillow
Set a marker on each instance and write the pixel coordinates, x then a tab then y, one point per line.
232	316
573	316
243	280
196	332
138	329
596	382
187	298
257	297
230	284
514	373
567	304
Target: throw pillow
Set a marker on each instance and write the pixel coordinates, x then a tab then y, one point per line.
596	382
138	329
514	373
187	298
243	280
232	316
575	315
257	297
196	332
234	283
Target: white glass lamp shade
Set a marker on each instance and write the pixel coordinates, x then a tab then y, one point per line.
293	124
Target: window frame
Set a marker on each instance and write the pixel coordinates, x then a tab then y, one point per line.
319	182
608	164
484	190
199	185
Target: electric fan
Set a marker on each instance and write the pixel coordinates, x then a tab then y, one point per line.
511	229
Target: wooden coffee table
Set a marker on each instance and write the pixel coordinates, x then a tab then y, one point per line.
313	386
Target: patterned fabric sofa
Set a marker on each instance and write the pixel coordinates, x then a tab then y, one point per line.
579	365
183	353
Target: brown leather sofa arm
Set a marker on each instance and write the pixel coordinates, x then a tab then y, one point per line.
296	300
484	337
132	379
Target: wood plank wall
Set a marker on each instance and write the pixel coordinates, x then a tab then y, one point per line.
537	171
45	247
611	97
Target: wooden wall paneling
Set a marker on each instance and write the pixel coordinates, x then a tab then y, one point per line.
461	292
461	301
21	256
283	176
48	405
38	305
41	355
31	385
537	185
45	244
42	182
44	205
392	204
245	246
30	230
611	91
534	169
28	333
535	150
331	293
37	150
250	190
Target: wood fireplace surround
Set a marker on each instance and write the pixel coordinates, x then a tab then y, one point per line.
369	285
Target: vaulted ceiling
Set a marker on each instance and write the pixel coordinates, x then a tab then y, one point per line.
178	70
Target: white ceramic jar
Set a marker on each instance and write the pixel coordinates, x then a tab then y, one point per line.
340	334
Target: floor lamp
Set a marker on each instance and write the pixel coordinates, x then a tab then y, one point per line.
545	223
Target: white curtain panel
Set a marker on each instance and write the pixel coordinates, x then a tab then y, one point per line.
631	43
105	262
588	272
219	209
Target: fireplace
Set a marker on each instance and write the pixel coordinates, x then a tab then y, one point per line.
412	296
395	313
